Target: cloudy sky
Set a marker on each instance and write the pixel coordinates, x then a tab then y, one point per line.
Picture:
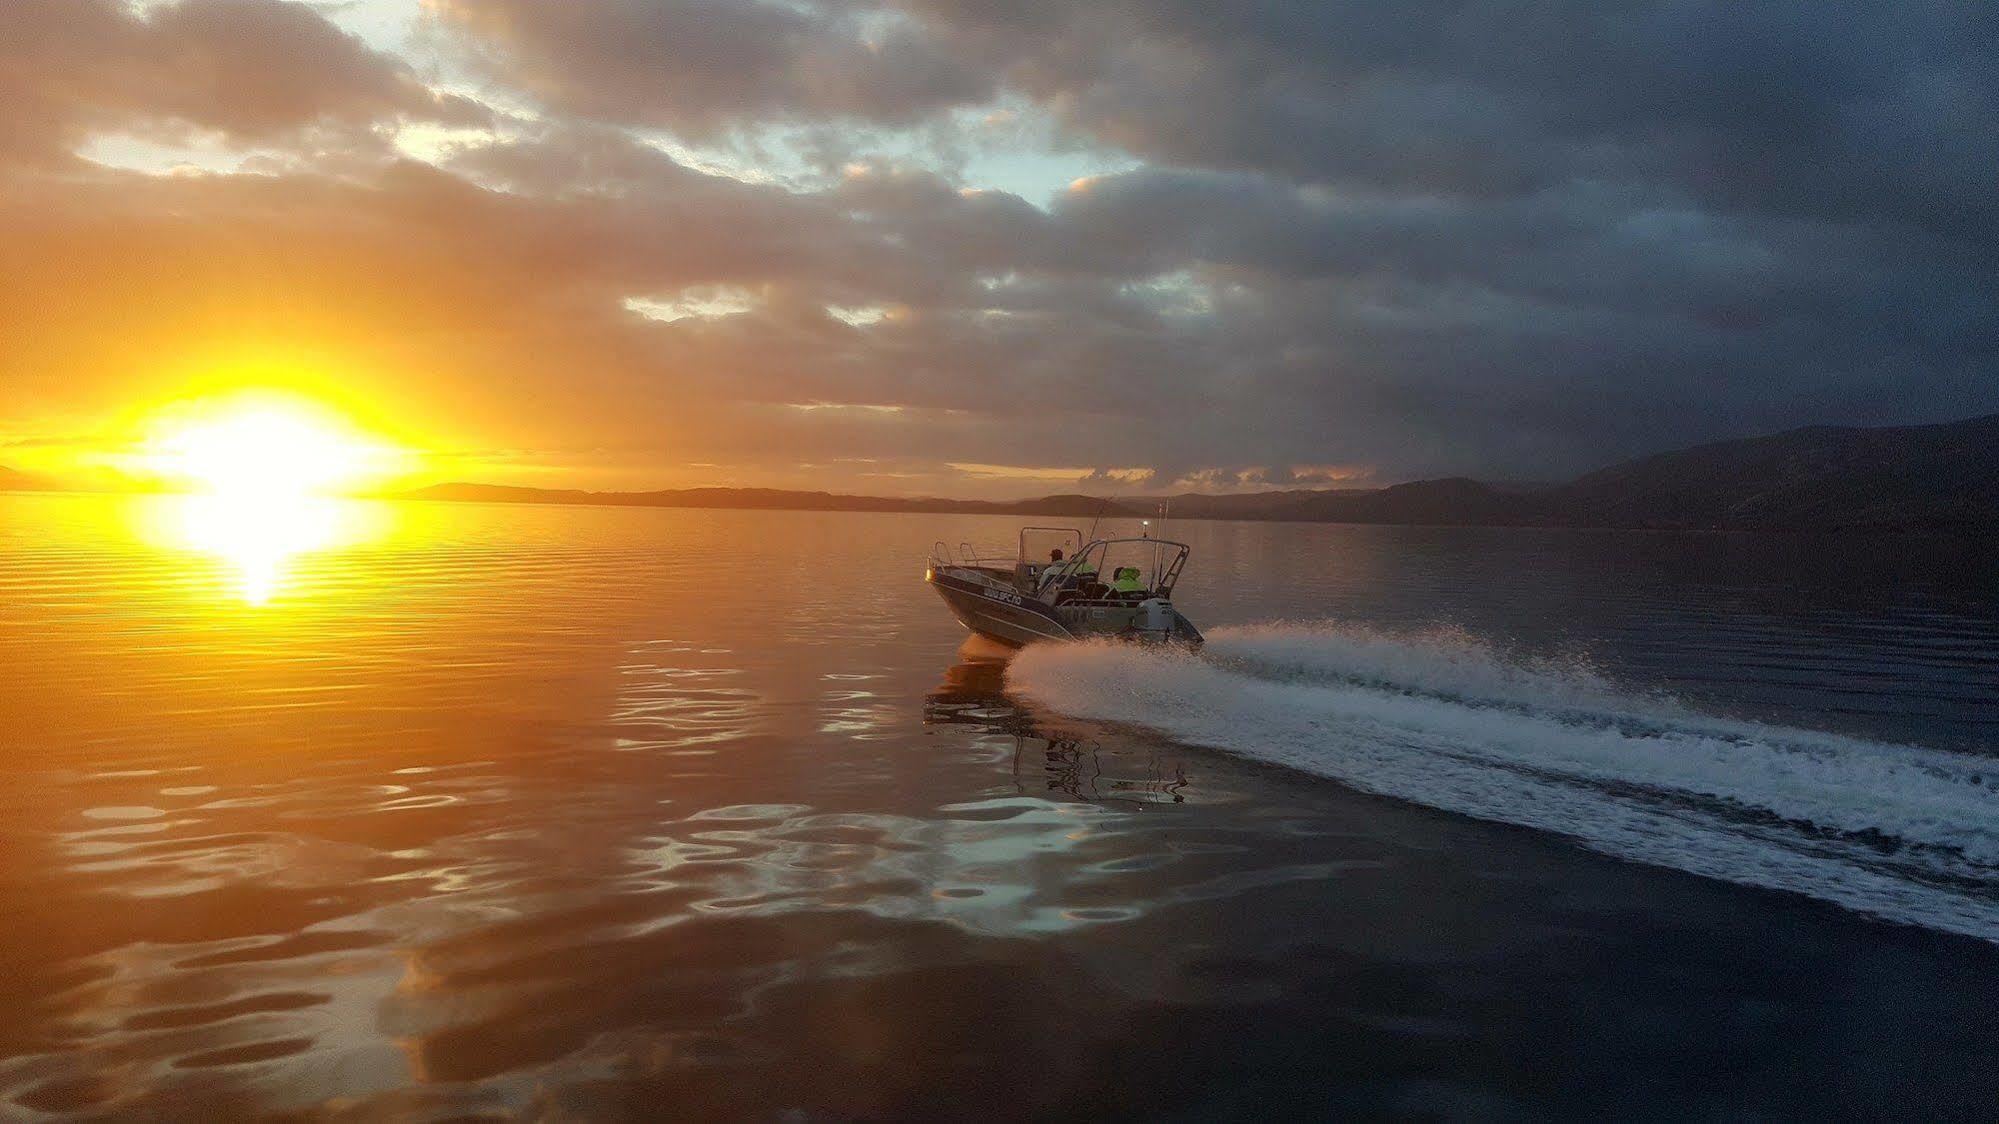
989	247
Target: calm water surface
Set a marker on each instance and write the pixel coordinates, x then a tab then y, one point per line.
451	810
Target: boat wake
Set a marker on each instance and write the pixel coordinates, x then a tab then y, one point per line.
1441	719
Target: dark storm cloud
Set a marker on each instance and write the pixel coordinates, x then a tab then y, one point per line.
1842	108
1441	219
1809	107
1507	239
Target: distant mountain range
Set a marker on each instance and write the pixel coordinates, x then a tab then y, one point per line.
777	499
1823	478
1909	478
1921	477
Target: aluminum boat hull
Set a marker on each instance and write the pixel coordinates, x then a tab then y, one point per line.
998	615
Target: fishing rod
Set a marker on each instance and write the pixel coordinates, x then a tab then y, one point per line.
1101	508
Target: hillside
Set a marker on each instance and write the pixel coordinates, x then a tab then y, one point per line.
1925	477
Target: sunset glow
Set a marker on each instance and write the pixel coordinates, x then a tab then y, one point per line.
932	559
265	448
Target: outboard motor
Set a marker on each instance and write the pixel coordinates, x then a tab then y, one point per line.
1154	618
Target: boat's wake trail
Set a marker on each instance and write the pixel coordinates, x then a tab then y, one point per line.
1438	718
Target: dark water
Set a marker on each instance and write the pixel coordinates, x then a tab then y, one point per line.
439	811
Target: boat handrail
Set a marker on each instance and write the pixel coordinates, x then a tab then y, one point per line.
967	556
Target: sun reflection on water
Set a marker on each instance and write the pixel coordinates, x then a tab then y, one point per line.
261	538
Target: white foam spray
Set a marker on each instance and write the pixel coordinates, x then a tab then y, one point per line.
1438	718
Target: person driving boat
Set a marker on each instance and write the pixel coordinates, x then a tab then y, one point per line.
1067	579
1050	576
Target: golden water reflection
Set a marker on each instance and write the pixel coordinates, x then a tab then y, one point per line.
385	809
260	539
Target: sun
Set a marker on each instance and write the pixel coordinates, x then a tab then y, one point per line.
263	447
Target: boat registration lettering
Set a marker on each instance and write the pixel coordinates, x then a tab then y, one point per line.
1002	595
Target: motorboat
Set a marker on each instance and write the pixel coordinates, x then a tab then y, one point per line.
1059	587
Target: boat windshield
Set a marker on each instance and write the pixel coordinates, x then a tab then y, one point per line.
1038	543
1157	561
